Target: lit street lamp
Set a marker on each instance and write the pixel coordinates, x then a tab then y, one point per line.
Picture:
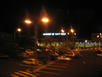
62	30
17	30
36	30
28	21
67	33
45	19
72	31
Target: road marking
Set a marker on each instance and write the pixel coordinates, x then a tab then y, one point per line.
26	65
13	75
28	73
57	66
60	64
21	74
48	72
28	70
40	68
36	74
54	69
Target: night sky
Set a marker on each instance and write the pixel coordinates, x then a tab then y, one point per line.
85	17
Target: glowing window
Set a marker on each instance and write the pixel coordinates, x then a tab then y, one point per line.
80	42
83	42
76	42
87	42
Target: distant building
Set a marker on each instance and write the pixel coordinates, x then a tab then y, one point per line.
58	39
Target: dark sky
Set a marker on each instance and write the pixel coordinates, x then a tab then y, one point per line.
85	17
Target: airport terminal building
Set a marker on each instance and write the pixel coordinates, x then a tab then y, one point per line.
63	39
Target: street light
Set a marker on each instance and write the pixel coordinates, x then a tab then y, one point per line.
72	30
28	21
62	30
17	30
35	29
45	19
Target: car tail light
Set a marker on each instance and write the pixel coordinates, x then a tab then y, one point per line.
46	49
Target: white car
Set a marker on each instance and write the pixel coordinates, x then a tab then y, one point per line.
64	58
31	61
70	54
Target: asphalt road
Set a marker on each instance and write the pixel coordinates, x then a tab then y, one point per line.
87	66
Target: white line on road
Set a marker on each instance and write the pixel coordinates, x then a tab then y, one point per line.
48	72
13	75
28	73
40	68
57	66
36	74
21	74
26	65
54	69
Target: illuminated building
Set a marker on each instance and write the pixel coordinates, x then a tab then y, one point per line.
59	39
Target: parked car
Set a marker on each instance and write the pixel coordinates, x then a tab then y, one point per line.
12	49
70	54
3	56
54	54
31	61
99	53
63	58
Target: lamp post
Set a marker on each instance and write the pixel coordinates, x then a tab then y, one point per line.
72	31
68	33
45	20
67	38
17	30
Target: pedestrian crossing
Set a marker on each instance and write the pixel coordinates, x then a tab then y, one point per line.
45	69
23	74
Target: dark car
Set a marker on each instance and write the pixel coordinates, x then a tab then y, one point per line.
3	56
11	49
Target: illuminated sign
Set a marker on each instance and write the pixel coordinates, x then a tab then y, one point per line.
63	33
46	34
54	34
57	33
